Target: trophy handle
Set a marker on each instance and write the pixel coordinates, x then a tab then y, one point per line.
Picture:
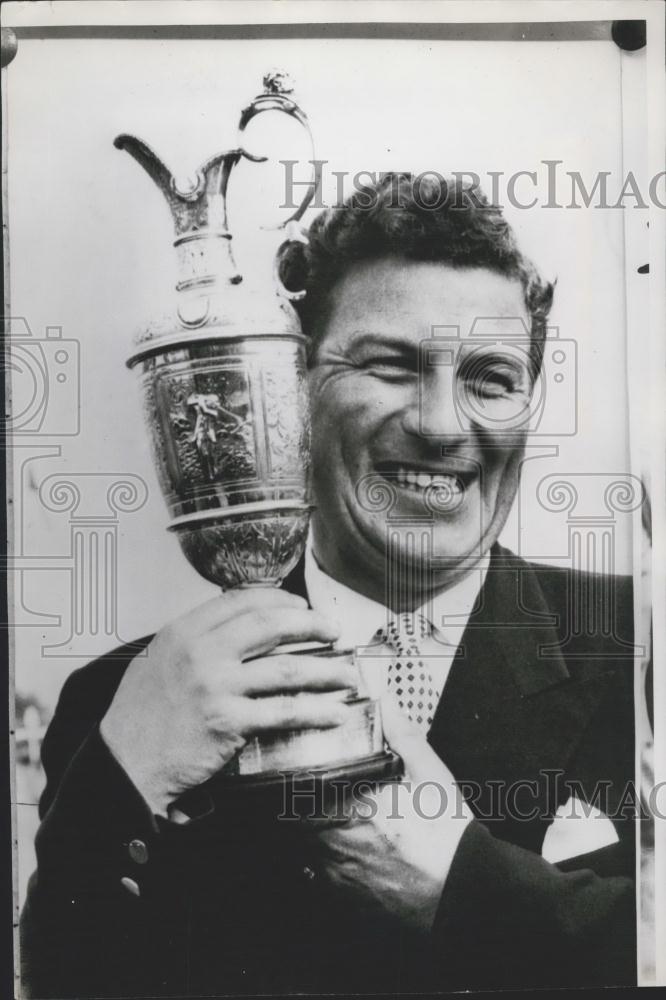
277	88
294	235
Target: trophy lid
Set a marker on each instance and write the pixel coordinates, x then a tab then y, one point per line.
207	271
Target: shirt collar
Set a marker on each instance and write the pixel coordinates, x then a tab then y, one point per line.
360	617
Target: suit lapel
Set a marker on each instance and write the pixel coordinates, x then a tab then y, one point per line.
509	713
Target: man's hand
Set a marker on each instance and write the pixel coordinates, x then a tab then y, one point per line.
396	852
183	710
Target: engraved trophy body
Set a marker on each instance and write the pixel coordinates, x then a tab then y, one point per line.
223	380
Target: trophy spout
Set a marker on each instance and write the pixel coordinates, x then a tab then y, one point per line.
203	204
199	213
149	160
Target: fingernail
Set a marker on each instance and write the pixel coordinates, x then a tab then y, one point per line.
342	715
332	626
337	695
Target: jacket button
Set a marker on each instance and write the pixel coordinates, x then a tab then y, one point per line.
138	852
131	886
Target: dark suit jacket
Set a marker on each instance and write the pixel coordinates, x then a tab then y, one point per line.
540	694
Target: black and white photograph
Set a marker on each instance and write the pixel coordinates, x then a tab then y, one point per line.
335	459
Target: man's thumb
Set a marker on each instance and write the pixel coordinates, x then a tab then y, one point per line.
405	738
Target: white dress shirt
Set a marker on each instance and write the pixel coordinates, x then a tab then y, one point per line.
360	618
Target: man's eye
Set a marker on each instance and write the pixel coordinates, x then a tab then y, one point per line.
388	365
492	380
494	383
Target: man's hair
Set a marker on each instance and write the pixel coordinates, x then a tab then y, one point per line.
422	218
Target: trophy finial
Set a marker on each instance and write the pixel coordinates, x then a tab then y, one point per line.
277	95
278	82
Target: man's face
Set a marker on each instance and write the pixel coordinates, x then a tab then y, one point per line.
379	415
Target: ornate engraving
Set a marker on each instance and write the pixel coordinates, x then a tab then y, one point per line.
253	550
211	428
287	423
213	423
157	439
229	431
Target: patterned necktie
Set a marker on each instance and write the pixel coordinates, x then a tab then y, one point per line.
409	680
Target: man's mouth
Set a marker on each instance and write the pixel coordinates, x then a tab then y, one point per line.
418	479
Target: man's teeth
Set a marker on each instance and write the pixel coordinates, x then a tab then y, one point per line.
422	480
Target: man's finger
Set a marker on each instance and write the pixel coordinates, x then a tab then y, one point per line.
285	672
261	630
343	839
406	739
422	765
231	603
316	824
298	711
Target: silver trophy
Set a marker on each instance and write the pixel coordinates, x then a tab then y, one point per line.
225	400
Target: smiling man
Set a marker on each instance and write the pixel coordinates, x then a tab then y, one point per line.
404	421
497	704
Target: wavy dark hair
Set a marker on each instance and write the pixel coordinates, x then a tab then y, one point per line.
422	218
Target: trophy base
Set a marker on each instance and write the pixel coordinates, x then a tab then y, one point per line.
378	767
329	792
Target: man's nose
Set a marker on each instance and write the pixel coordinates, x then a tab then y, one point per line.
433	411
